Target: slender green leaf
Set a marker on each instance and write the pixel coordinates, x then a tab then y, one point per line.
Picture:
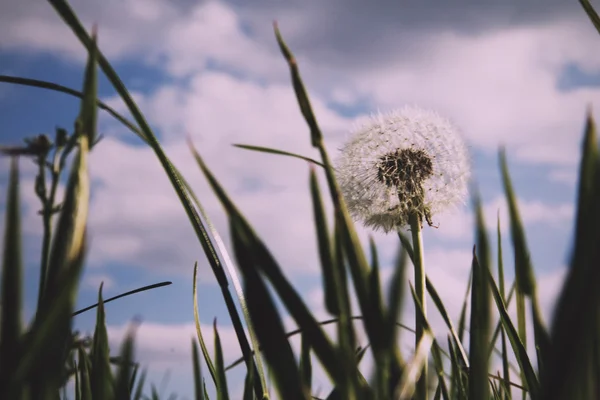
278	152
124	373
12	264
222	391
269	327
198	372
305	363
207	358
101	379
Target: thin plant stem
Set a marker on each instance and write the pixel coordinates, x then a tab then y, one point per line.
418	261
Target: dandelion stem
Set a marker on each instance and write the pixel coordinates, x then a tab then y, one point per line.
417	239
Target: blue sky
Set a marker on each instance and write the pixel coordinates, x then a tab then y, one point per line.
212	69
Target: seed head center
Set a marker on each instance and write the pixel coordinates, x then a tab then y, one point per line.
405	170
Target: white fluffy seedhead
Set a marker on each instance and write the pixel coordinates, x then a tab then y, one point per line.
410	160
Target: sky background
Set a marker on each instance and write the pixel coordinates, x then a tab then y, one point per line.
512	74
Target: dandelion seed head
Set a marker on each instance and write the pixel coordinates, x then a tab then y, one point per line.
410	160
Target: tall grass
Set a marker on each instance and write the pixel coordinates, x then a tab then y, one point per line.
37	361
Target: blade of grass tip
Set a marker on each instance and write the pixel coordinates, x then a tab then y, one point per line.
293	302
305	362
530	380
269	327
505	365
198	372
12	264
575	323
330	289
207	358
436	351
140	385
592	14
523	269
222	390
440	306
135	370
124	373
278	152
101	379
139	290
357	261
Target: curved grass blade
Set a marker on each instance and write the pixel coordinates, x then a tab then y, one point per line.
269	327
278	152
532	383
523	269
36	83
463	312
12	264
592	14
440	306
204	237
305	363
319	342
84	375
142	289
207	358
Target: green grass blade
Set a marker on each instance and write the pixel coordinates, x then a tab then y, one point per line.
124	374
530	379
101	379
435	349
12	264
248	385
458	388
197	371
411	373
505	364
88	114
204	236
478	355
84	375
463	311
523	269
278	152
440	306
592	14
574	363
222	390
330	288
137	395
142	289
319	342
207	358
305	363
266	319
479	387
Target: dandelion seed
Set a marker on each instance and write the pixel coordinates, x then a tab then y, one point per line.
404	162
